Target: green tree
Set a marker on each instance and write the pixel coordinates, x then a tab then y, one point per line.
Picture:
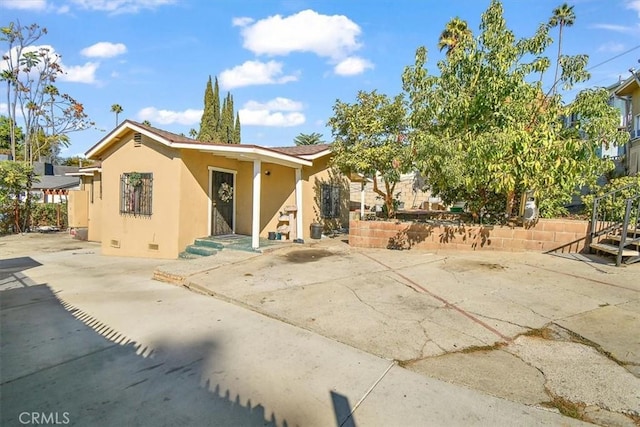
308	139
226	120
117	109
193	133
31	72
369	139
146	123
237	132
455	33
209	124
16	179
18	39
6	128
217	124
74	161
563	16
484	131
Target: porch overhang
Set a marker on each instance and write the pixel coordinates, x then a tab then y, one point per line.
248	153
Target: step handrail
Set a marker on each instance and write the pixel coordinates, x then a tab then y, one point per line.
594	214
625	225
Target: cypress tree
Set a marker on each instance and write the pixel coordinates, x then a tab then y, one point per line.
217	124
208	122
219	134
227	119
236	130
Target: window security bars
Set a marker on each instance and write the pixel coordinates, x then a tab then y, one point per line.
135	193
330	201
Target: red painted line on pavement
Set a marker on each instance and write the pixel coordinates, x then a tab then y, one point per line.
584	278
444	301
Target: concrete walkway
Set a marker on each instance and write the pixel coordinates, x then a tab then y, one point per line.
93	340
543	330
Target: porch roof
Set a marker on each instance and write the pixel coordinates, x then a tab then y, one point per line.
628	86
286	156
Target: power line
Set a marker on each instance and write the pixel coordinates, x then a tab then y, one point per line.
614	57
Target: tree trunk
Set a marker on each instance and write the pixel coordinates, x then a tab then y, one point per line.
511	197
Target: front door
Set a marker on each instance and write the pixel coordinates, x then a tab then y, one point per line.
222	194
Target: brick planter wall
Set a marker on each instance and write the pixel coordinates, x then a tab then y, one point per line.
545	235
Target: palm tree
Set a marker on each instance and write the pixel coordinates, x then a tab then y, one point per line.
147	123
116	108
308	139
563	16
193	133
453	34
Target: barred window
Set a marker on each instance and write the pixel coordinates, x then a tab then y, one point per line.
330	201
135	193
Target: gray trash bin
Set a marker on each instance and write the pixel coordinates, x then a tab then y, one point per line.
316	231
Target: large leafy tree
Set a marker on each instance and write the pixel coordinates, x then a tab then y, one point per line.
484	131
370	139
308	139
30	73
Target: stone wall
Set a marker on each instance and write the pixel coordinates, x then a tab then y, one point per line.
545	235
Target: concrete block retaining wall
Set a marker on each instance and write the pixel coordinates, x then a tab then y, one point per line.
545	235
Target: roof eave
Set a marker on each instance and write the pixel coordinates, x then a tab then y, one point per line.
316	155
114	136
251	152
627	88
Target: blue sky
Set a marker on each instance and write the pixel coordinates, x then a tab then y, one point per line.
286	62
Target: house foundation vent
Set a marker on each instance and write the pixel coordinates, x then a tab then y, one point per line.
115	243
137	139
154	246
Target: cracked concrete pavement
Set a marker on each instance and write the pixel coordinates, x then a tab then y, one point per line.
536	331
470	318
93	340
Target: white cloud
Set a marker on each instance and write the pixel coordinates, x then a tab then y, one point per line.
267	118
3	108
75	73
254	73
24	4
167	117
278	104
352	66
104	50
278	112
327	36
121	6
617	28
241	21
634	5
80	73
611	47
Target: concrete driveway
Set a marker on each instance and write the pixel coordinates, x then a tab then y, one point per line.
544	330
369	338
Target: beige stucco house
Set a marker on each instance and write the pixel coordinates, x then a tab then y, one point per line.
630	89
151	192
